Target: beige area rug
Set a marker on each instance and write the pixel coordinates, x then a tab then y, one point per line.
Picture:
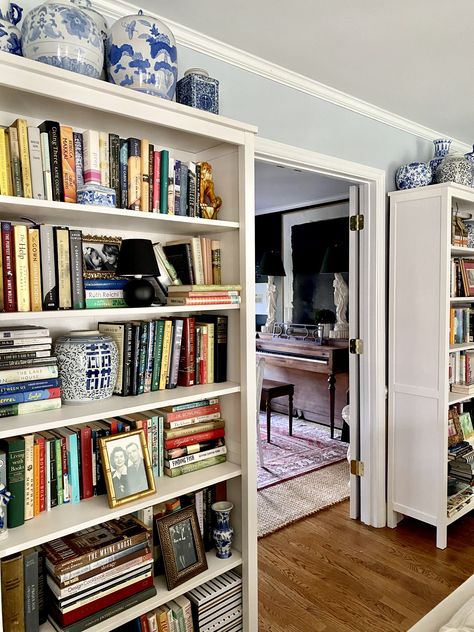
283	504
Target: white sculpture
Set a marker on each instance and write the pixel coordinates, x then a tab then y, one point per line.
341	301
272	303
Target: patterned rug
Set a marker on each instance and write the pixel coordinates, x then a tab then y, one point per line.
310	448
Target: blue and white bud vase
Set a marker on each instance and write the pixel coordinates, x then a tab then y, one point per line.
5	497
441	149
88	364
10	37
222	532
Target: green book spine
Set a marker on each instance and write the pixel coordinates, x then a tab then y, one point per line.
164	167
15	450
155	379
192	467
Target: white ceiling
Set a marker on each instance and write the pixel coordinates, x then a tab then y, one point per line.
411	57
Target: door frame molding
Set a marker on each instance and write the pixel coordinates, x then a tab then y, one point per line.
372	309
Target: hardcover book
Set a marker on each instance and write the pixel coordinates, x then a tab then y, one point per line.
22	275
8	267
48	268
34	264
14	448
68	163
54	145
13	607
24	154
36	163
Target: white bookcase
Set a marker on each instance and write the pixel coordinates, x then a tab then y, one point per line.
418	388
38	92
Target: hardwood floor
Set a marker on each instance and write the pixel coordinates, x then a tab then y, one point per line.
328	572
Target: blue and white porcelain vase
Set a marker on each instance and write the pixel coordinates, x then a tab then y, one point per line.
222	532
141	54
455	168
86	6
61	34
198	90
10	37
441	149
88	364
415	174
470	156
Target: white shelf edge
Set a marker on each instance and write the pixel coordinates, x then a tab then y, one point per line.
462	512
462	346
462	250
461	299
116	405
215	568
457	398
69	518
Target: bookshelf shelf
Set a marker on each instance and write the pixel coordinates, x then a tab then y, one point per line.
215	568
419	395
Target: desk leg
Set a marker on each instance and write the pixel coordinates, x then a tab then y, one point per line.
290	414
269	418
332	393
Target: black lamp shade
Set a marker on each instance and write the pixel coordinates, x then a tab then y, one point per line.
137	258
335	260
271	264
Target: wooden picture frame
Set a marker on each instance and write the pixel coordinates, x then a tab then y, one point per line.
454	429
467	273
467	428
100	256
181	546
126	465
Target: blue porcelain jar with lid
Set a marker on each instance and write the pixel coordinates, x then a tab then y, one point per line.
10	38
198	90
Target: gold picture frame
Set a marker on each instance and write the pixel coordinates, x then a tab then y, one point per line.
454	429
100	256
127	469
181	546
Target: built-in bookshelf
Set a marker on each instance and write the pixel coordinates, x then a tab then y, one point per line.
420	304
39	92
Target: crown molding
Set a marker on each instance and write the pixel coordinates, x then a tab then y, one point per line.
198	42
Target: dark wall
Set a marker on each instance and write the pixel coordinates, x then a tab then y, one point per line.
267	237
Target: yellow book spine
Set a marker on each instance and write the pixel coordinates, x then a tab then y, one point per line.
22	128
64	268
134	184
36	479
34	261
68	163
13	596
144	176
22	277
4	163
165	355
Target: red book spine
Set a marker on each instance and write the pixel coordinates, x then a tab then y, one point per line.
144	623
8	262
199	437
156	181
187	359
42	473
99	604
193	412
86	462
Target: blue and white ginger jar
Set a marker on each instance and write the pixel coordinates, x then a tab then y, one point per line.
141	54
88	364
222	532
61	34
441	149
415	174
198	90
10	37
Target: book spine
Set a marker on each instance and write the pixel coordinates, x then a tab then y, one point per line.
185	431
165	354
159	332
59	470
191	200
177	187
171	162
135	358
117	332
86	461
31	385
144	327
199	437
13	410
196	457
77	279
196	404
34	264
91	154
97	303
151	162
186	370
30	578
203	300
22	129
54	145
13	605
192	413
8	270
114	161
134	174
164	168
184	189
104	159
190	421
175	353
46	162
123	173
73	462
127	360
48	268
30	396
63	266
68	164
104	293
15	161
29	478
36	478
193	467
216	261
36	164
25	374
78	158
197	204
15	449
22	277
42	473
144	175
5	175
156	181
149	356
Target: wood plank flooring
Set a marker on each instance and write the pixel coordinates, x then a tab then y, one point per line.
330	573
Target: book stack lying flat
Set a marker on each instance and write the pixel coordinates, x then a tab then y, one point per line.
203	294
98	572
217	604
28	373
193	436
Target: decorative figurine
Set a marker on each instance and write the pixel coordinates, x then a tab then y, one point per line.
209	203
5	497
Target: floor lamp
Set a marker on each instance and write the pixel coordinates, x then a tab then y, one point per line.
271	266
335	262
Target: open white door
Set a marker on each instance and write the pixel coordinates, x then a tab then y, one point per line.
354	359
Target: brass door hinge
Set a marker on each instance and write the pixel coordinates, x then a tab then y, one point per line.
356	222
356	346
357	468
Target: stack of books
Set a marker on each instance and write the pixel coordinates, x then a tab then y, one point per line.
193	436
98	572
217	604
104	293
462	497
28	373
204	295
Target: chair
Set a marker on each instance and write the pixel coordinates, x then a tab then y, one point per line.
260	370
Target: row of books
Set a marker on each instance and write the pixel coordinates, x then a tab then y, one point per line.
196	260
462	496
461	283
461	370
53	161
173	616
461	325
169	352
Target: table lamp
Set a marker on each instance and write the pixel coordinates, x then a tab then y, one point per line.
137	260
335	261
271	266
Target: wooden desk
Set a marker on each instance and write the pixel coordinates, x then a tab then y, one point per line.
312	369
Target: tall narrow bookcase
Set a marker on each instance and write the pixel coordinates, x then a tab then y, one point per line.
419	318
39	92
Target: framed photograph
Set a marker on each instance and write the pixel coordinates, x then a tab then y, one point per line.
465	422
454	428
181	546
100	256
126	465
467	273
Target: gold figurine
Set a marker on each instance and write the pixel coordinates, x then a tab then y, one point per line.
208	201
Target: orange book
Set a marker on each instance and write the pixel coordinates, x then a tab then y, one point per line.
68	163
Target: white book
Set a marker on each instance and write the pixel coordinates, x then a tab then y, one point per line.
46	165
152	622
104	159
185	605
91	156
198	266
194	458
171	186
29	477
36	162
